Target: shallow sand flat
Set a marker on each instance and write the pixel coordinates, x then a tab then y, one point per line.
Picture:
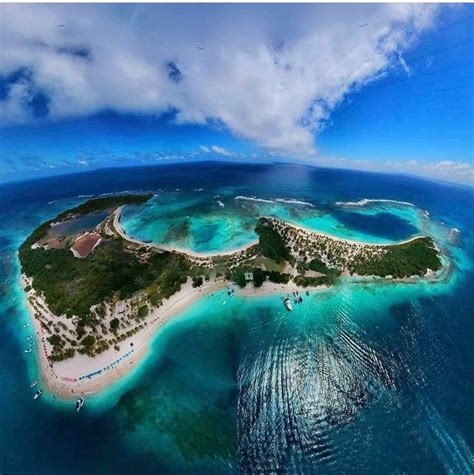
162	247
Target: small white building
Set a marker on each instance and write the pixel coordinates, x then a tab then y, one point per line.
248	276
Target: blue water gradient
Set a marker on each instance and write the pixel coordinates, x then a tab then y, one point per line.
367	378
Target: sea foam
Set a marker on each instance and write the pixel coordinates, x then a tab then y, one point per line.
367	201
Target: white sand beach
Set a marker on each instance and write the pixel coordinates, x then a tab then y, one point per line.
83	374
87	375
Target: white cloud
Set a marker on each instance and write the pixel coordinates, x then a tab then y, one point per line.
249	67
445	170
215	149
222	151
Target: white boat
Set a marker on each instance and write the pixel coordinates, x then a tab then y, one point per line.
28	350
34	383
29	337
38	394
288	305
80	401
26	325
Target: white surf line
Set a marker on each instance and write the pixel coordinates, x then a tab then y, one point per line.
250	198
294	202
275	200
366	201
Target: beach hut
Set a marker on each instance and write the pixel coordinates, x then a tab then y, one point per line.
248	276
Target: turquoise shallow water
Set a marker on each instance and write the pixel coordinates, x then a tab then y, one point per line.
363	378
204	222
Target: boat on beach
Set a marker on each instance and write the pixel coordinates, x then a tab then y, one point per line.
38	394
80	401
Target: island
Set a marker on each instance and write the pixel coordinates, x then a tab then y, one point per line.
97	296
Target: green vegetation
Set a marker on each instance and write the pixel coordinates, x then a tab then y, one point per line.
271	244
143	311
268	264
197	281
318	266
259	276
402	260
109	202
56	340
328	279
58	352
239	278
88	343
71	286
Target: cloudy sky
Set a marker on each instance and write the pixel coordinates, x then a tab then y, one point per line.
373	87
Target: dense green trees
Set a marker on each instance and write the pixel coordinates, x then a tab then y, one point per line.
114	324
271	244
402	260
239	277
259	276
142	311
71	286
318	266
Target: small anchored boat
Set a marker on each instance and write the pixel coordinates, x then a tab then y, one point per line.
80	401
28	350
296	297
29	337
34	383
37	394
287	303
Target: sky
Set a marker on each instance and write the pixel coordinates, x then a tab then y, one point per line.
379	87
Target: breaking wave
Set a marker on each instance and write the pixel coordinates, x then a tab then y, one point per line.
273	201
251	198
366	201
294	202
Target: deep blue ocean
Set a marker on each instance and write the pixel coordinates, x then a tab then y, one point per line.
361	379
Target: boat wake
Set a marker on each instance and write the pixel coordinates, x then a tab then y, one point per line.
294	391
